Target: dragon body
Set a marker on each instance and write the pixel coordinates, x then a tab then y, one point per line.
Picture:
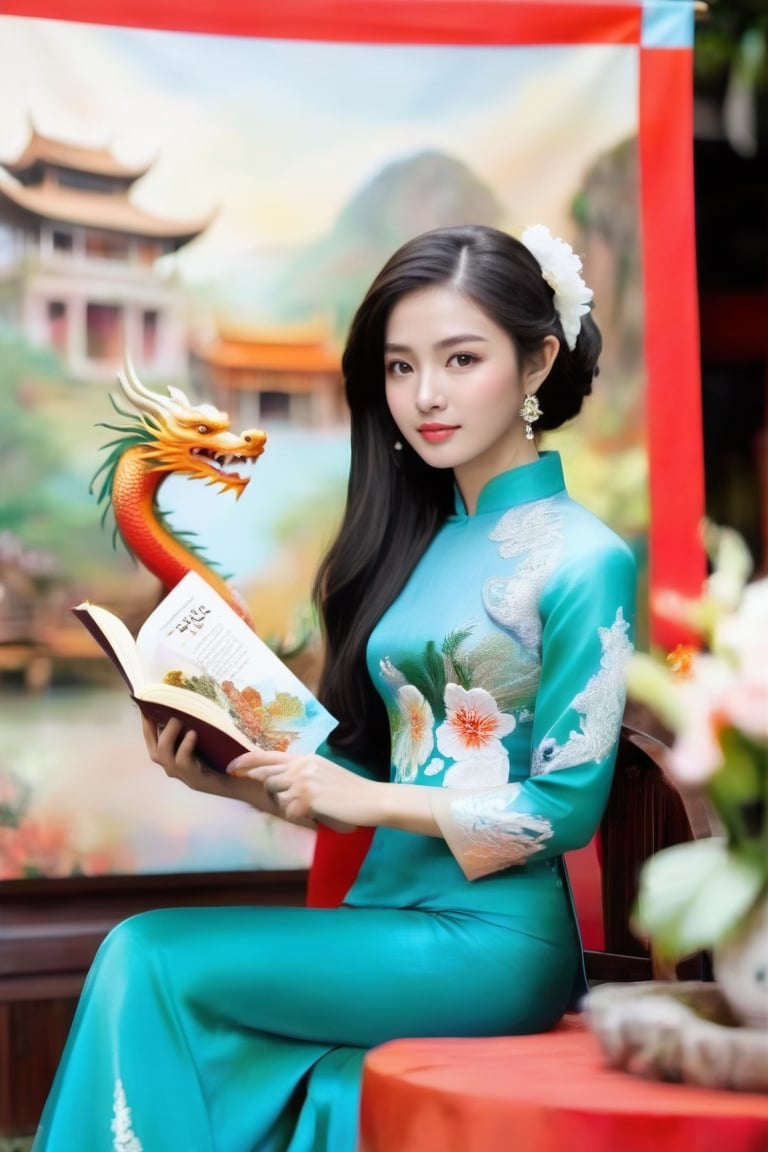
168	435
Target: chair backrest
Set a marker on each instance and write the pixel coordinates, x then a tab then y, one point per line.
645	813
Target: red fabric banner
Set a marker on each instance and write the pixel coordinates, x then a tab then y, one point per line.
367	21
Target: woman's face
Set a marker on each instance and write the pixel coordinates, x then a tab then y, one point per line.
454	386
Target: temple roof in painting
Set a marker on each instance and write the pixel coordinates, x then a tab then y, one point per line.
43	187
290	348
115	212
47	152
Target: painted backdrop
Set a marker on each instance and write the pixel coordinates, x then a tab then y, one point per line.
280	156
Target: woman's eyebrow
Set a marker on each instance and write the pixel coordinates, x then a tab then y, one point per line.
448	342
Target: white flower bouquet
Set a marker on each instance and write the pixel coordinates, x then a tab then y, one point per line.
713	696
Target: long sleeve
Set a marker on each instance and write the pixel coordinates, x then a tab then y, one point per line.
587	612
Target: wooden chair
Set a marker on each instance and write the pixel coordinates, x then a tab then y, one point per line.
645	813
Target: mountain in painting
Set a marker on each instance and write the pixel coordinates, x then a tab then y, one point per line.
428	190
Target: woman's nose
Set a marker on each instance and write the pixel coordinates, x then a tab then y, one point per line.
429	394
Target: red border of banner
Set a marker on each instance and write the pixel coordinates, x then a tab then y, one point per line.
368	21
671	326
671	329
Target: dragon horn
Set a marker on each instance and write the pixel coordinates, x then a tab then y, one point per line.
140	396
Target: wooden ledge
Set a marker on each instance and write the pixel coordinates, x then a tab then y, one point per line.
50	930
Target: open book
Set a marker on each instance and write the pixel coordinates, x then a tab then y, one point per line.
195	658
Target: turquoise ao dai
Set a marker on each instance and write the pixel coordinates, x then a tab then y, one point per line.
501	665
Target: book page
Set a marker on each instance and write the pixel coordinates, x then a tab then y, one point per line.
113	635
195	640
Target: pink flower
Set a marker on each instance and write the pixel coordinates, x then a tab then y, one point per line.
715	695
743	703
696	753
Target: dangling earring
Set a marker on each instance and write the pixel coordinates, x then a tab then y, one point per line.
530	412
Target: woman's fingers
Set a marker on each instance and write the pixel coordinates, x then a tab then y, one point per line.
274	784
301	787
161	738
274	778
260	761
279	774
171	746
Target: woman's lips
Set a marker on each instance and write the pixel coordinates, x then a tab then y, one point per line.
434	433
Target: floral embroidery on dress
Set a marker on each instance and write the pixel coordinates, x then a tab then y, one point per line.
124	1137
467	691
471	736
414	740
600	705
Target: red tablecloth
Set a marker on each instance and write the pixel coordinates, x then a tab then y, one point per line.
546	1093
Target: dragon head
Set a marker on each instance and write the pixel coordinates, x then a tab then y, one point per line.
188	439
161	436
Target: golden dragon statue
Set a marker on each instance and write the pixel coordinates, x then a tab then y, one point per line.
170	435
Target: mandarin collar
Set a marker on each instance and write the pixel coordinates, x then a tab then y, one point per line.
535	481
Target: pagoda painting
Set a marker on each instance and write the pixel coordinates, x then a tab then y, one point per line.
78	261
287	372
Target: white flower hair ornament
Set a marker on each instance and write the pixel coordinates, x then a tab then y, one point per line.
561	268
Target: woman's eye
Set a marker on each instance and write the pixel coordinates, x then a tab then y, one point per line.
462	359
397	368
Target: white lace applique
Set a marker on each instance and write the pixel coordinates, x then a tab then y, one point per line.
485	833
533	532
124	1137
600	705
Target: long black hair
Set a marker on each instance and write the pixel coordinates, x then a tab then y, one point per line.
395	502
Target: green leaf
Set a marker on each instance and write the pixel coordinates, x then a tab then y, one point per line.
428	676
461	672
692	895
744	768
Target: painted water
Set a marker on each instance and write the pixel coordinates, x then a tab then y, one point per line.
77	791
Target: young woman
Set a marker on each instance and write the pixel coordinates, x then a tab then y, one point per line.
477	624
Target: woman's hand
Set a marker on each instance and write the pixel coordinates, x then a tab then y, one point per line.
310	787
173	748
302	789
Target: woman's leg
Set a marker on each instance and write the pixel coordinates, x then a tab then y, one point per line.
328	1121
199	1030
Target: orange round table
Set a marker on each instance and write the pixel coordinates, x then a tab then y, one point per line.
544	1093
